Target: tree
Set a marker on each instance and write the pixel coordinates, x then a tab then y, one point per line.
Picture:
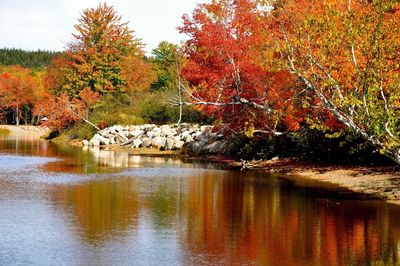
93	60
165	58
226	72
136	73
17	90
346	53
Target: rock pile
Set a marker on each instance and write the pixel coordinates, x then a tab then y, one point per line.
163	137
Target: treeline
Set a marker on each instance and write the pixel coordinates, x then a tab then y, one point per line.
30	59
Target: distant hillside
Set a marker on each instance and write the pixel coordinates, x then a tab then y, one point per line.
31	59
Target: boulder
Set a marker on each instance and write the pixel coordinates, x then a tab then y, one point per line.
137	143
85	142
196	147
158	142
169	144
136	133
179	144
146	142
150	134
188	139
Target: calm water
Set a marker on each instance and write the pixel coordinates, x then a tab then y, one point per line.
66	206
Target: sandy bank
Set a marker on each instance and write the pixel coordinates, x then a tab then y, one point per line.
35	131
374	182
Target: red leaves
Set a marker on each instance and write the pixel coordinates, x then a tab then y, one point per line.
225	50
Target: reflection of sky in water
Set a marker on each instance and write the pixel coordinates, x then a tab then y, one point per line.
10	163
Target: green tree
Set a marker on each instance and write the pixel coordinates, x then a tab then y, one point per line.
166	60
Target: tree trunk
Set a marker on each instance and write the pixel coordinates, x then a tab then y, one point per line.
17	116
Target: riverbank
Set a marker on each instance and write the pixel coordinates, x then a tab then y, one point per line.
374	182
34	131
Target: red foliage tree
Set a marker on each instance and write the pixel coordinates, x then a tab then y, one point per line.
226	71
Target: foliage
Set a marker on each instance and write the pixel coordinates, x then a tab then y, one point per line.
166	60
154	108
346	53
19	90
100	58
225	70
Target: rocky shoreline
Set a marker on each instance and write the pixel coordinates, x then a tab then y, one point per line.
188	138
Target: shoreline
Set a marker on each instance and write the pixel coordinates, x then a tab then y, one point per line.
34	131
373	182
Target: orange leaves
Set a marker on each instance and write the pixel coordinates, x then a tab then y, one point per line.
137	74
94	59
89	97
17	87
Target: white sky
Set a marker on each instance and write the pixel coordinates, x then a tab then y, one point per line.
48	24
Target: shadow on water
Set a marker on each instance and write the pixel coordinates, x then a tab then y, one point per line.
62	205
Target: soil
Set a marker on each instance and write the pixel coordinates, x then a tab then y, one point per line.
376	182
26	129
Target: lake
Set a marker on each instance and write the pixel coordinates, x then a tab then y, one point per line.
62	205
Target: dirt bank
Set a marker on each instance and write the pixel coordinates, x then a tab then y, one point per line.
34	131
376	182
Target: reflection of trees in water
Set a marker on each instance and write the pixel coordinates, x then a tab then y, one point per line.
101	210
239	220
225	217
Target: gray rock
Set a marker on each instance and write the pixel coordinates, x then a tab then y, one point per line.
179	144
177	138
169	144
216	147
146	142
165	128
206	128
188	139
158	142
94	142
150	134
137	143
136	133
121	137
102	140
196	146
184	134
199	136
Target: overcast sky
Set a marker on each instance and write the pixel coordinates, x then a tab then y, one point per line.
48	24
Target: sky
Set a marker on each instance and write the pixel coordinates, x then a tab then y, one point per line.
48	24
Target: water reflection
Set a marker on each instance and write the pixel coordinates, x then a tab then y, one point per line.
164	211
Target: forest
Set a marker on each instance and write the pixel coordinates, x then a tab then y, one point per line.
311	70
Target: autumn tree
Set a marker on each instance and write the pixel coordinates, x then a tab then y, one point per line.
19	89
346	53
225	67
93	60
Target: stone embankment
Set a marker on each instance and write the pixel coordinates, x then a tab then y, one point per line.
194	138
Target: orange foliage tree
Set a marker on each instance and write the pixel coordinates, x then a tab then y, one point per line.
18	91
98	56
346	54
